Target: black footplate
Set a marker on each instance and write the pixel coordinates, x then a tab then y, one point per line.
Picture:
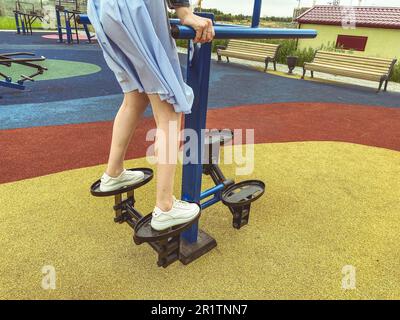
148	175
239	197
166	243
145	233
242	193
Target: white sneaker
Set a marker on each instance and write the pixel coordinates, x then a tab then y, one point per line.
126	178
180	213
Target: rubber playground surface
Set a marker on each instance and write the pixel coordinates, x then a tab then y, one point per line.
329	154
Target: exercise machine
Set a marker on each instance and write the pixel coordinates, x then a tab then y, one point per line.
26	59
67	12
187	243
170	245
166	244
26	13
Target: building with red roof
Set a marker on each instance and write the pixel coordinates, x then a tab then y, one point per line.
371	31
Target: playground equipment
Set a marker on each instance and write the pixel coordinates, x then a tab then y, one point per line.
67	12
26	13
27	59
187	242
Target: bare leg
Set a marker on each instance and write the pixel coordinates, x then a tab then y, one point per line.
125	123
167	146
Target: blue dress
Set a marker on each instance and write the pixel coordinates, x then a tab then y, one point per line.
137	45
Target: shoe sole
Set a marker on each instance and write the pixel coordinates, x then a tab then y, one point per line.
161	226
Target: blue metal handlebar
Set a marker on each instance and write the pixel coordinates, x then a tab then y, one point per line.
232	32
223	32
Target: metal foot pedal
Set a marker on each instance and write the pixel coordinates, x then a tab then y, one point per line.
239	197
124	206
166	243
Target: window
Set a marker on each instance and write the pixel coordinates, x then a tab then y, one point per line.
351	42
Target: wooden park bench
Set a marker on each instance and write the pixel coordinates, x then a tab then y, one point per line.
250	50
353	66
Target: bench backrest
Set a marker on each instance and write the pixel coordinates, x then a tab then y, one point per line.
260	48
355	62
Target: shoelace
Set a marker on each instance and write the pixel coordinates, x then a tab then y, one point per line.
181	203
177	202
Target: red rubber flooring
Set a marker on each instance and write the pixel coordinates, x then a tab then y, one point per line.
38	151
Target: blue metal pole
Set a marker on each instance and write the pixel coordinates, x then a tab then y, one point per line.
59	26
85	27
223	32
68	27
210	202
22	17
210	192
198	77
17	23
216	192
255	23
228	32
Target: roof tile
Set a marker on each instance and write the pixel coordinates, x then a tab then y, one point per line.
372	17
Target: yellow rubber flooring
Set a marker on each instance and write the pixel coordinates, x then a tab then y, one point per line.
328	204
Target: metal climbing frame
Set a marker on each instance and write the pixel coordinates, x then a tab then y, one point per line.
26	13
67	12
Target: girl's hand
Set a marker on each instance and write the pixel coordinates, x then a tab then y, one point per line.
204	27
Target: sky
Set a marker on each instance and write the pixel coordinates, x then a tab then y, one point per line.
283	7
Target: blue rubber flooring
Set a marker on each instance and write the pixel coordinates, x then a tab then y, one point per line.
97	97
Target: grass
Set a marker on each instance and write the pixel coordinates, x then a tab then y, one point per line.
8	23
396	73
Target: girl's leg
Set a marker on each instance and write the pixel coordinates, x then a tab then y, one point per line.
167	146
125	123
